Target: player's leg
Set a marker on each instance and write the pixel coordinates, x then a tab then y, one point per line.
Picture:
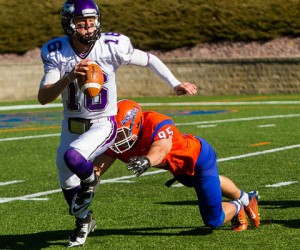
77	179
232	192
84	222
70	184
208	188
237	216
249	200
79	158
83	169
229	189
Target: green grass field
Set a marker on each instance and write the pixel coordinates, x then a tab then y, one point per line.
257	139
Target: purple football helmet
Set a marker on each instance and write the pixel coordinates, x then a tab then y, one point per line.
80	8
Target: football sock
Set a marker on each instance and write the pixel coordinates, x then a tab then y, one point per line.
90	179
244	198
238	204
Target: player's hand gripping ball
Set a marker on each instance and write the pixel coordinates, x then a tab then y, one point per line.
91	83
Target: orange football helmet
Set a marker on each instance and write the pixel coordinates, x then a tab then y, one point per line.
129	120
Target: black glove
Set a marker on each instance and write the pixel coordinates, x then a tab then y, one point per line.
138	165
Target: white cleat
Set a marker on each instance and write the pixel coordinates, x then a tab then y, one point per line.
82	230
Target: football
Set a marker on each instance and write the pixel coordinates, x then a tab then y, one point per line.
91	83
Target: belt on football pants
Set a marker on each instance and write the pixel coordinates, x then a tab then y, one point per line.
79	125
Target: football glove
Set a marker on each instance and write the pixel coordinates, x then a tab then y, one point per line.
138	165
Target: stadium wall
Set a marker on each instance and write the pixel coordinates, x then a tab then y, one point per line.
213	77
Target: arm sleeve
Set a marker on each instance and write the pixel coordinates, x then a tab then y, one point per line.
142	58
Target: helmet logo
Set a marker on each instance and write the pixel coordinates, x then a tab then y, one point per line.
129	116
68	8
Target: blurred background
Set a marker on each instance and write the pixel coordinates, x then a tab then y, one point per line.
225	47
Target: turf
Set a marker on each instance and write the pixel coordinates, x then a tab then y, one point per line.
141	213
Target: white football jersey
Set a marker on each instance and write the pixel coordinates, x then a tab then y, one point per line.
110	51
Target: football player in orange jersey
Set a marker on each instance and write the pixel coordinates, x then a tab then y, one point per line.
146	139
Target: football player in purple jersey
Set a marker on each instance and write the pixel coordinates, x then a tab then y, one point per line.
88	126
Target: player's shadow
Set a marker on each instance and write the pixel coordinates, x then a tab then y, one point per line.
263	204
35	241
279	204
156	231
266	220
271	205
42	240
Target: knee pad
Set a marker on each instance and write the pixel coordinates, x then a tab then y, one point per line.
73	159
78	164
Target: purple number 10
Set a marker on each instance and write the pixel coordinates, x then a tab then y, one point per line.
90	103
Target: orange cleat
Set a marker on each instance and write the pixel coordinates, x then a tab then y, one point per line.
240	222
252	208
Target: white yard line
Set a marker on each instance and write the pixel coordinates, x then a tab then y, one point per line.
240	119
207	126
177	124
266	126
273	150
125	178
221	103
28	137
57	105
10	182
33	106
280	184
